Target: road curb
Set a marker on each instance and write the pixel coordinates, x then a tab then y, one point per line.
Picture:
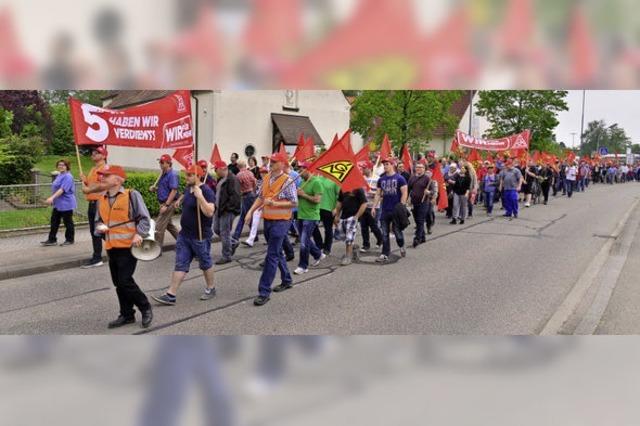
588	278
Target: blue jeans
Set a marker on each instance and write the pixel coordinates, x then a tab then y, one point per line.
420	217
247	202
307	245
222	225
275	231
488	200
510	201
187	248
386	220
569	187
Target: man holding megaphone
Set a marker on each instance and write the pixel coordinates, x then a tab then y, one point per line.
194	239
123	220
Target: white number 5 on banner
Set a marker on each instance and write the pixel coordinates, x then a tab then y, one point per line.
102	132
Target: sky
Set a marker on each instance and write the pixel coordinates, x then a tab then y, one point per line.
612	106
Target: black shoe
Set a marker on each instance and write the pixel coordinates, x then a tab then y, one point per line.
165	299
415	243
461	221
147	317
262	264
223	261
49	243
290	258
453	222
234	247
428	232
282	287
120	321
93	263
66	243
260	300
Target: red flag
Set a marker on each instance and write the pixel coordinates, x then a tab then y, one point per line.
582	49
340	166
13	61
274	29
184	156
363	154
334	141
215	154
516	35
455	147
346	141
385	148
406	158
282	150
306	151
474	156
201	42
443	201
537	157
299	146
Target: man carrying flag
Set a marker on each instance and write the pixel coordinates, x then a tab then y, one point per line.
422	190
309	195
392	195
278	197
194	239
166	191
93	191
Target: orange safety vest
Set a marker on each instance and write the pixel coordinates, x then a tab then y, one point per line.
271	190
91	179
116	217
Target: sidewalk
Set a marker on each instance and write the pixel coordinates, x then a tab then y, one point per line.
23	255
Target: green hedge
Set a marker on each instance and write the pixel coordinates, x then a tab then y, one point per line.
21	154
141	181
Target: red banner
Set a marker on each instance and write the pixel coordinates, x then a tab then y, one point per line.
518	141
162	124
184	156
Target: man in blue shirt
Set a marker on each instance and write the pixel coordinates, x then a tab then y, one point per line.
167	192
392	190
193	242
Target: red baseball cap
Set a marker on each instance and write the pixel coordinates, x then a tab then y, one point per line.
219	165
263	170
202	163
279	157
101	150
166	158
113	170
194	170
304	165
389	160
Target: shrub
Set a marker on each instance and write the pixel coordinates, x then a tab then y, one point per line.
62	142
22	153
141	181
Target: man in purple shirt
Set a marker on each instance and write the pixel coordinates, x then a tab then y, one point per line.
167	192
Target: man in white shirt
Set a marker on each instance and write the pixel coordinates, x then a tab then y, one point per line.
570	180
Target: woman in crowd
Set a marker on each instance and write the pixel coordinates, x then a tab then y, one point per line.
63	201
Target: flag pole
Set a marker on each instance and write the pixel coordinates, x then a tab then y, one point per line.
78	158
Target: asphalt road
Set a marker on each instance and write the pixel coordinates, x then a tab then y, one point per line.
488	276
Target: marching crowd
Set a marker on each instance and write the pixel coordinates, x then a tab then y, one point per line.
292	203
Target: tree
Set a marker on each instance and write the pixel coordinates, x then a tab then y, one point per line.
635	148
30	112
598	134
407	116
63	140
6	118
18	155
513	111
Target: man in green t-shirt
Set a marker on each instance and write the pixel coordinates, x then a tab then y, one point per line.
330	192
310	195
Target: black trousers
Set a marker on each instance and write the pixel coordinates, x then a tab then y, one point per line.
326	217
122	265
369	223
97	241
545	190
67	217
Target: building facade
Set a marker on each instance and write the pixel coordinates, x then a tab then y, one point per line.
251	122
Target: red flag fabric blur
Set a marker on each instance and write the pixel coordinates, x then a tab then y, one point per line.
215	154
340	166
443	201
406	158
385	148
184	156
363	154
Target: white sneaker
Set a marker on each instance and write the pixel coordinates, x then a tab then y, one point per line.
382	259
527	204
317	262
300	271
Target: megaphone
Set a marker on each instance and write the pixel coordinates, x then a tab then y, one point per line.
149	249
